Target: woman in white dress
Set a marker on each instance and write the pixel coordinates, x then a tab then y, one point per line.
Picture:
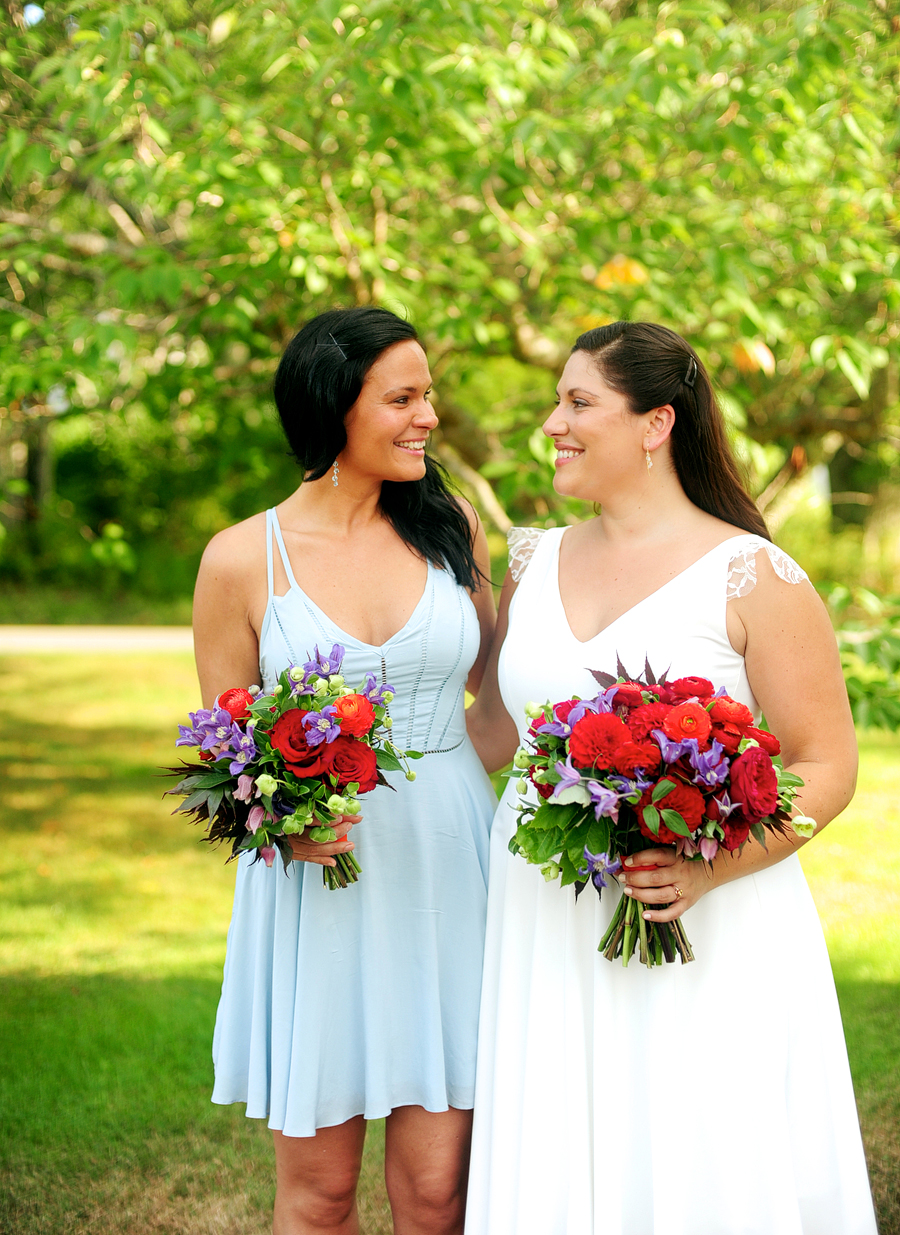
707	1099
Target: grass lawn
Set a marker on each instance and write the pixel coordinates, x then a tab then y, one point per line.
112	930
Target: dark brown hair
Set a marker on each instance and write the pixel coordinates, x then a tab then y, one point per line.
652	366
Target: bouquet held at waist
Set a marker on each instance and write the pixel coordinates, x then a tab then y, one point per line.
647	763
275	765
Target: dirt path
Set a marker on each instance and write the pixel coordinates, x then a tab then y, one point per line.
95	639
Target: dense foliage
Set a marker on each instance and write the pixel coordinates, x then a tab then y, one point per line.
183	184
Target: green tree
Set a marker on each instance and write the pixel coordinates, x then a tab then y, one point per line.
183	184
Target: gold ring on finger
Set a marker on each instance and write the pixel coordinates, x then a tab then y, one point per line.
678	892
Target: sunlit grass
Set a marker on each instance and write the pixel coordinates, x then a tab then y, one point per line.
112	935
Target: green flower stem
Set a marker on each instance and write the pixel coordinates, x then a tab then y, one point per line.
642	932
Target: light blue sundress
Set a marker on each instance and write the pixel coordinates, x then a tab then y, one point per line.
356	1001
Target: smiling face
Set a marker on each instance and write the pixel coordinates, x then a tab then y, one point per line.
388	425
599	441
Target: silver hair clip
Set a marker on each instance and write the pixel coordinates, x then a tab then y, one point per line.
691	374
334	343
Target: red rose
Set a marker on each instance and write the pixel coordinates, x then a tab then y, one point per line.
634	755
686	799
595	739
767	741
356	714
289	737
644	720
728	736
735	833
354	761
687	720
543	789
236	702
727	711
629	695
754	784
561	710
689	688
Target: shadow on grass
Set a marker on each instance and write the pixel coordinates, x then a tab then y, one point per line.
106	1123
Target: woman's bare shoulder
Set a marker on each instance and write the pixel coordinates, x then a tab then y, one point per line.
237	549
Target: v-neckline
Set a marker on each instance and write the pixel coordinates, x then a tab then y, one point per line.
631	608
294	586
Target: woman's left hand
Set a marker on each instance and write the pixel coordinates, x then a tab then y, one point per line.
672	881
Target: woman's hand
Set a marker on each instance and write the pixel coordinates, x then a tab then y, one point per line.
671	881
322	853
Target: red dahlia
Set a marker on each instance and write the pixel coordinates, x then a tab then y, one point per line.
595	739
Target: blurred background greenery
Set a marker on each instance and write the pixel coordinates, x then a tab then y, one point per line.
181	185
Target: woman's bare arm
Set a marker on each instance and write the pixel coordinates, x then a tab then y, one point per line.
226	647
483	600
490	726
795	673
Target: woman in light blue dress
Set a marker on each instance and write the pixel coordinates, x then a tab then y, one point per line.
355	1004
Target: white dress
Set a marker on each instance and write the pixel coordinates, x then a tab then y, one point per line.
707	1099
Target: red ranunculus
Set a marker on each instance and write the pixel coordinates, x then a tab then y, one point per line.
289	737
634	755
735	833
754	784
689	688
687	720
767	741
595	739
727	711
686	799
644	720
353	761
728	736
236	702
629	695
561	710
356	714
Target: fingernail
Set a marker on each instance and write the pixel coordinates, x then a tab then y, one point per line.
628	862
646	916
629	891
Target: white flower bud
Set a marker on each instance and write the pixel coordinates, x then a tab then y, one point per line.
533	710
522	759
410	775
550	871
522	786
266	784
803	825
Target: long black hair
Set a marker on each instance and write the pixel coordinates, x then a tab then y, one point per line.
317	382
652	366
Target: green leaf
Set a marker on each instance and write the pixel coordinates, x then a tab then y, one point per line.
387	760
660	790
675	823
651	818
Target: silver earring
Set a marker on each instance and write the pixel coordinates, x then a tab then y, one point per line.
646	456
334	474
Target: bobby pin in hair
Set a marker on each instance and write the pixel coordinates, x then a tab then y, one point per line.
334	343
691	373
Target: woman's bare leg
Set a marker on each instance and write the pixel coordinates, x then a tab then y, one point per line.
316	1178
426	1167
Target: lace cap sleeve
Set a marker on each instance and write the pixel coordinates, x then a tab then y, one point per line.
522	543
742	568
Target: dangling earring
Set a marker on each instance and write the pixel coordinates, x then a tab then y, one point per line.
334	474
646	456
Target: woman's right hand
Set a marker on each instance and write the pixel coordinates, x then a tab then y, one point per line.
322	853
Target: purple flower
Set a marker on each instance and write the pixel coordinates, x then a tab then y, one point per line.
320	726
598	865
570	789
244	790
255	818
627	788
208	728
325	666
605	801
267	853
672	751
709	765
604	701
709	847
243	747
563	728
299	676
374	692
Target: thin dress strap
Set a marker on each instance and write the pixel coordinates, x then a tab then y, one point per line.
273	525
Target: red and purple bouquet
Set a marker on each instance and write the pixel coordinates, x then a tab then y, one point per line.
297	759
647	763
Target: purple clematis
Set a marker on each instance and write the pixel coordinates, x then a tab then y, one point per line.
321	726
299	676
570	788
598	865
325	666
563	728
672	751
374	692
627	788
209	727
605	801
243	747
709	765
